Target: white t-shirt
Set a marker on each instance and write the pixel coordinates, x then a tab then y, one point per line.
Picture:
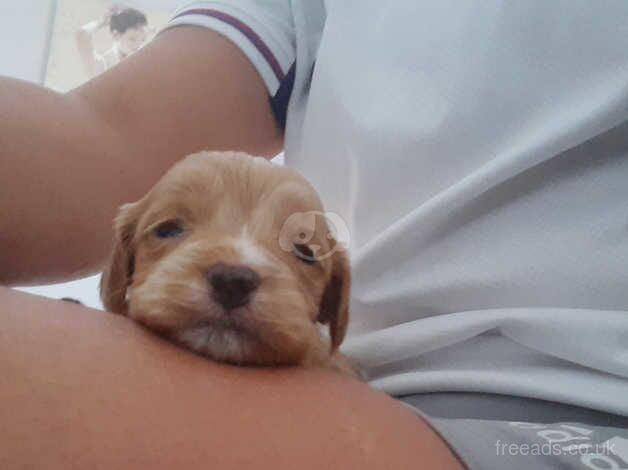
478	151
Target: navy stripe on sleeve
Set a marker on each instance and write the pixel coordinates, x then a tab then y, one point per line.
246	30
279	102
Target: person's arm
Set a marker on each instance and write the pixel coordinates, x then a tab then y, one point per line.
81	390
68	161
85	45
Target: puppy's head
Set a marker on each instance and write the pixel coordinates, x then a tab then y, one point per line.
224	256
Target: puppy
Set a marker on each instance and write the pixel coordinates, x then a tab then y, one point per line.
223	256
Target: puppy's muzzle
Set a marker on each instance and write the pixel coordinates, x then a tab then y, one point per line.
232	286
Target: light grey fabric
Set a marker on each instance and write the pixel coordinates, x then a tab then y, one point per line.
477	152
496	432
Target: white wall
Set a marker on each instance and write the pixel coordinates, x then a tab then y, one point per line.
24	32
25	27
85	290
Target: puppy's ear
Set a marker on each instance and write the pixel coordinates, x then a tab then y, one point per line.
334	307
118	274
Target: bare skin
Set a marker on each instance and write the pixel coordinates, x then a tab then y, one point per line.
85	390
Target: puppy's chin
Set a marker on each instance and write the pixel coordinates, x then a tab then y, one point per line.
220	341
254	334
237	344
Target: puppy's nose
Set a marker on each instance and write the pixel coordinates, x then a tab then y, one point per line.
232	285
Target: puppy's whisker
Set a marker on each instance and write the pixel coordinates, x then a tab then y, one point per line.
292	328
188	288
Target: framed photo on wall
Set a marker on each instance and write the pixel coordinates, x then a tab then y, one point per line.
91	36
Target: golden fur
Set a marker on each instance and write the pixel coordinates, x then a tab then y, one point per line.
231	210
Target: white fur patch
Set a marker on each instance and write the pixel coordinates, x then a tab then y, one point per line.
250	253
221	344
194	338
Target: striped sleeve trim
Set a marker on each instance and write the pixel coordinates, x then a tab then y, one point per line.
269	51
279	102
243	28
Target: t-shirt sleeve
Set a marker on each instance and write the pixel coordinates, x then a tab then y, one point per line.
264	32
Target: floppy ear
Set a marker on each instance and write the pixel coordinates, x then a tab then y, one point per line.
118	274
334	307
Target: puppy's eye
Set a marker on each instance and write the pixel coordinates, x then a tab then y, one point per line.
168	229
304	253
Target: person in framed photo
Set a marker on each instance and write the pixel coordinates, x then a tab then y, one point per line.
128	29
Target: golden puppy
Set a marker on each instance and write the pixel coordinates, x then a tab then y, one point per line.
222	257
